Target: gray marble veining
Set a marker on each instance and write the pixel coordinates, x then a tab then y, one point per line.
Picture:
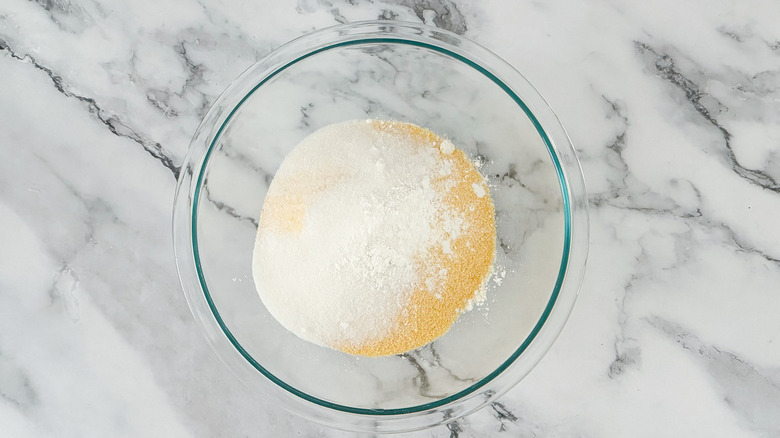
672	106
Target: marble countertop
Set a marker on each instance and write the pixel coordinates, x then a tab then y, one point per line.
673	107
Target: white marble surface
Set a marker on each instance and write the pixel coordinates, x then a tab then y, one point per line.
673	106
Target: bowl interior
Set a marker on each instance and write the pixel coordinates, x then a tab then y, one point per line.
403	81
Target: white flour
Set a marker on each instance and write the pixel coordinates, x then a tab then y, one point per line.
367	211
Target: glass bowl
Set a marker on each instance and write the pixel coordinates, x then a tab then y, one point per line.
394	71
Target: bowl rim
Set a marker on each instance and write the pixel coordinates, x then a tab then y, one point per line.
574	202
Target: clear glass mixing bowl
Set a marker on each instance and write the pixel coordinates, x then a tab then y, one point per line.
396	71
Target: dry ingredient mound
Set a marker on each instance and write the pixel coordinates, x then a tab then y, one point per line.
374	237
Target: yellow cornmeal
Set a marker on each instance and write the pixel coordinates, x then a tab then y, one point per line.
467	267
468	261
